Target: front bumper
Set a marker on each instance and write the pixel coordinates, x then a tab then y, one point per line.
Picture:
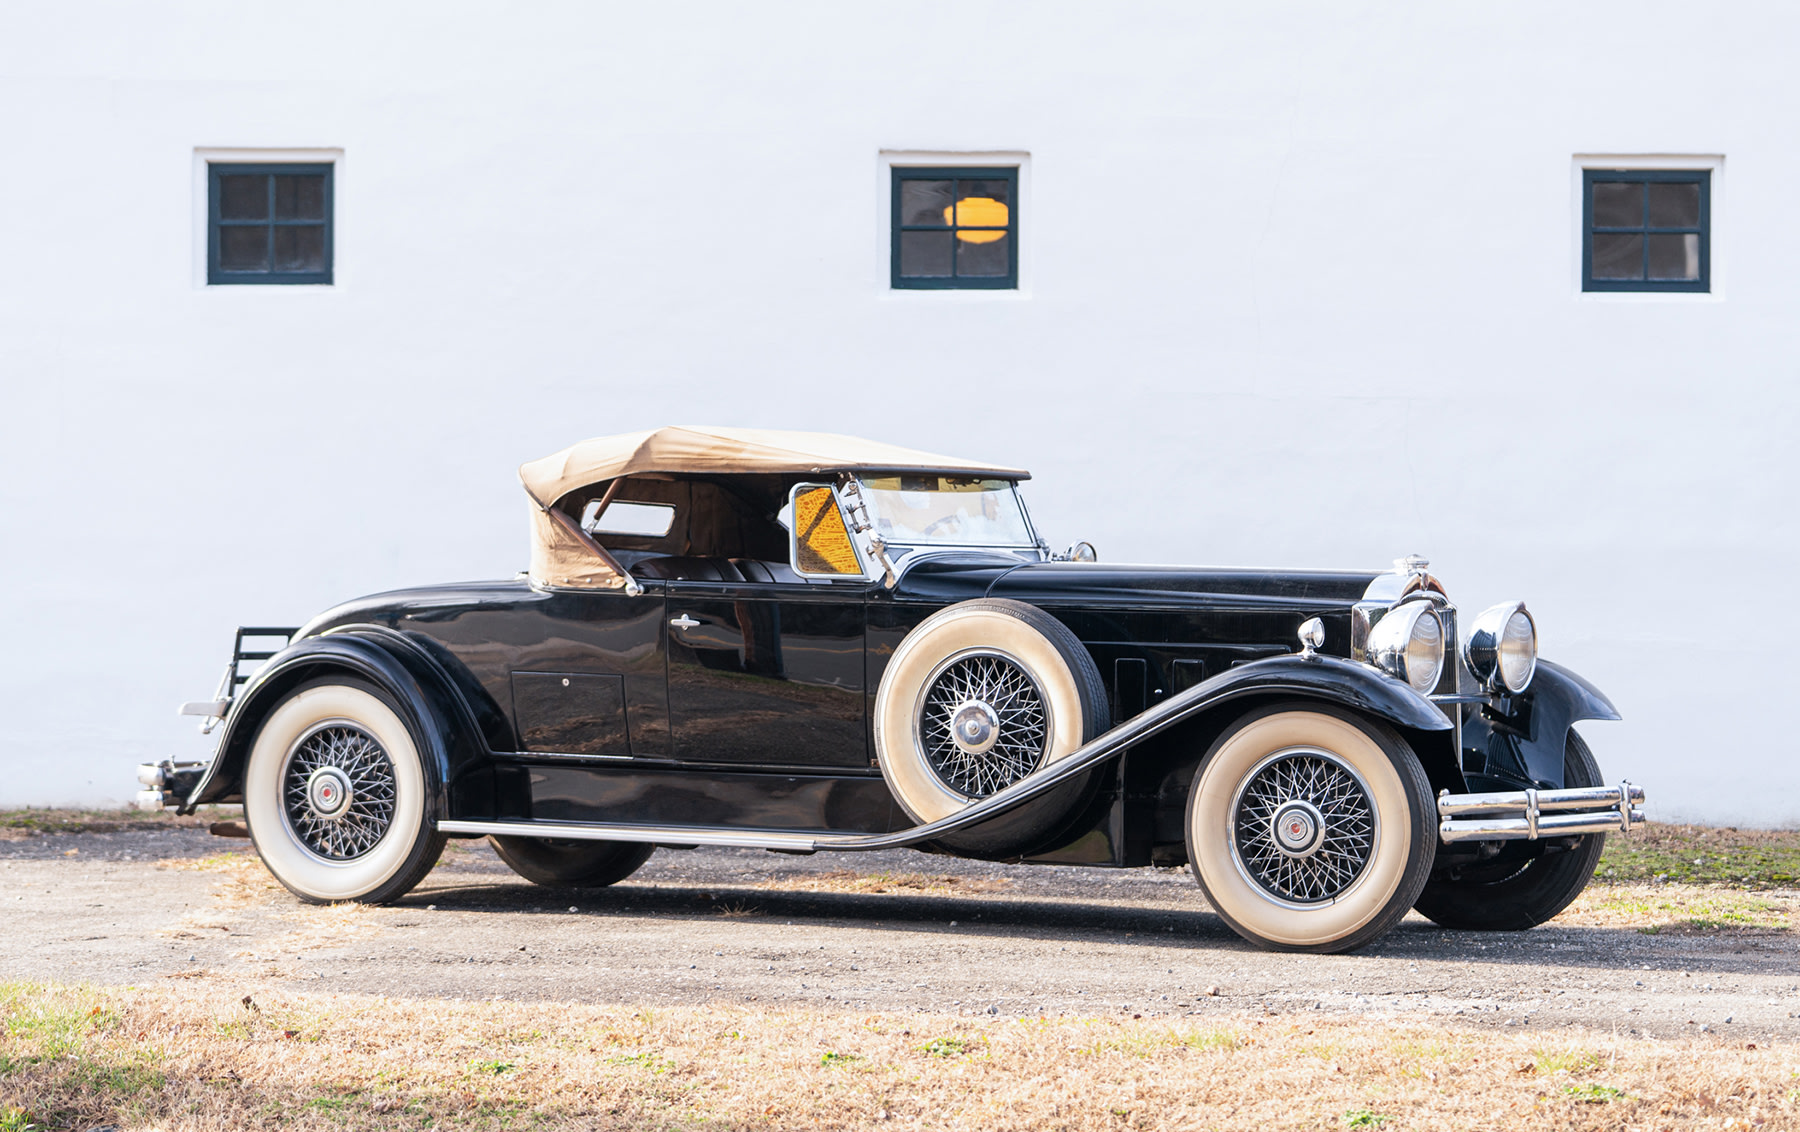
1527	815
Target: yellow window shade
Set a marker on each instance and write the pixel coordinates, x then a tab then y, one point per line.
985	211
822	540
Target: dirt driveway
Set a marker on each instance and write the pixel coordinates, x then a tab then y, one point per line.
896	931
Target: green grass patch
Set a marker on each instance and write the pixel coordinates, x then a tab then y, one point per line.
1589	1093
1571	1061
1363	1118
494	1068
1696	854
1706	910
16	1120
645	1059
947	1047
832	1059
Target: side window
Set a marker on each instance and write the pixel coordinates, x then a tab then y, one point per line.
1646	230
623	517
955	229
268	223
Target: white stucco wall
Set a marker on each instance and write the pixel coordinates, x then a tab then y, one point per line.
1300	288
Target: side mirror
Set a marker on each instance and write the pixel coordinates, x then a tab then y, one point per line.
819	541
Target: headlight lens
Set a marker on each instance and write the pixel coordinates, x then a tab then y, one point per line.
1409	642
1502	647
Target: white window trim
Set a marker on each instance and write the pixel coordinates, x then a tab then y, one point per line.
208	155
1716	223
882	258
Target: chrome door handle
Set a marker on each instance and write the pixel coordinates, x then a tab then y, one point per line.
683	622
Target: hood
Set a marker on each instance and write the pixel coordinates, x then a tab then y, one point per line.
1128	586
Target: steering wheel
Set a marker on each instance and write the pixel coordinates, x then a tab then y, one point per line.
934	527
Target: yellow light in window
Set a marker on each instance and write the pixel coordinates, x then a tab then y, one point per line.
985	211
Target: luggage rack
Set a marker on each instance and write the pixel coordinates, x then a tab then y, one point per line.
213	710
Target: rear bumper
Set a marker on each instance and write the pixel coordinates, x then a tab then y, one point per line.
1528	815
167	783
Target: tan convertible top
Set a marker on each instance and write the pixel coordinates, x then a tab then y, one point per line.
561	556
694	449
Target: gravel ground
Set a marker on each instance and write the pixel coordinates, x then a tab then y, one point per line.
746	926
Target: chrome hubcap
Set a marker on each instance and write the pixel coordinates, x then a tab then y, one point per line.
338	791
328	791
1303	826
1299	829
982	723
974	728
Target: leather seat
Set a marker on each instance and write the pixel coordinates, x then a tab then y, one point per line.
755	571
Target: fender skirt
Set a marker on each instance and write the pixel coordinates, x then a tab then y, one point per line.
1327	678
1525	740
449	740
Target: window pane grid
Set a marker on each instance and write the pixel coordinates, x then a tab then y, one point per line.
973	245
269	223
1646	230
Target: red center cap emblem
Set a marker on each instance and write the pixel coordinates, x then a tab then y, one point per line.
1294	828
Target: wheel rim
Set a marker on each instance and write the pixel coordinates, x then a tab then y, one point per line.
337	791
983	723
1303	827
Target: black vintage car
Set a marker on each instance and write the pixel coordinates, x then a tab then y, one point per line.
808	642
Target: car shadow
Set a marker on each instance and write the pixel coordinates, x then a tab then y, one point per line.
1197	929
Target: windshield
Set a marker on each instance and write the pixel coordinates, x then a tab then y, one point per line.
946	511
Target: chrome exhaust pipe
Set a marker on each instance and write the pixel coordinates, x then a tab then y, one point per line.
1527	815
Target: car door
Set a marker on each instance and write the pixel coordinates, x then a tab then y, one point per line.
588	675
768	673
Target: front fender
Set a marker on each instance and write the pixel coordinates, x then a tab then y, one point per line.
1527	741
1329	679
449	740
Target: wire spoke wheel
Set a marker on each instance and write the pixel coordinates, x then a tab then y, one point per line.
982	724
1303	826
338	791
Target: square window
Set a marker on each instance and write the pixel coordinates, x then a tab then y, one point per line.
268	223
955	229
1646	230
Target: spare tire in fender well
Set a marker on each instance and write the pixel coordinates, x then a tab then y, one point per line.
1027	692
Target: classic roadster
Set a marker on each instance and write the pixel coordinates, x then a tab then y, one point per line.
804	642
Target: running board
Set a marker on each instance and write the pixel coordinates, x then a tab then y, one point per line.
646	834
1125	735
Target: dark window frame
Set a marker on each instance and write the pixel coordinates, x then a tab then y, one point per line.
953	282
1701	177
217	169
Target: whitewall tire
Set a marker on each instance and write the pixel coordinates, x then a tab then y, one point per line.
978	696
1310	829
335	796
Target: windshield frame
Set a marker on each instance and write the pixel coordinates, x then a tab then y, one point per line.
911	547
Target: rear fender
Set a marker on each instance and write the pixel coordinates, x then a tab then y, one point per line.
449	740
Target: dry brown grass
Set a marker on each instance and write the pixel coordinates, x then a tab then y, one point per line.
16	825
918	884
210	1056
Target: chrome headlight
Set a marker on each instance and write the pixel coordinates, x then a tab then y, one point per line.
1409	642
1502	647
